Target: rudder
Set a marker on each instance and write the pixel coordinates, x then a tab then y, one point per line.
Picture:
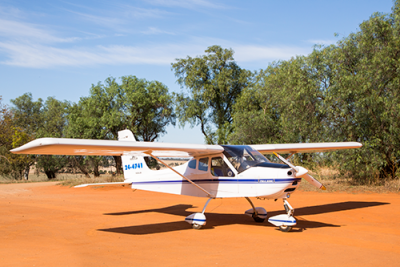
132	165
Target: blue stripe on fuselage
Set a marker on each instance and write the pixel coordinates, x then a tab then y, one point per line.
230	180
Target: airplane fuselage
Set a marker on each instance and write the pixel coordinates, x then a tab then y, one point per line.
269	180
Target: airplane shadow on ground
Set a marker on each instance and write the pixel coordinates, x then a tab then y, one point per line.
221	219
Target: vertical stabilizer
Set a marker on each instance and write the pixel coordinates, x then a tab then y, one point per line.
133	166
126	135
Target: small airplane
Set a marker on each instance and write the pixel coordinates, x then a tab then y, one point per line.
214	171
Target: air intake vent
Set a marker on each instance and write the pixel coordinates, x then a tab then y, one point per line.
290	189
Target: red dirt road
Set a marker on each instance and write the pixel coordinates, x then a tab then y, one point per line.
43	224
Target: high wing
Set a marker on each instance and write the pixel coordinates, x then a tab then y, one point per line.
67	146
304	147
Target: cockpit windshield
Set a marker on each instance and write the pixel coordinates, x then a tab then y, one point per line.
243	157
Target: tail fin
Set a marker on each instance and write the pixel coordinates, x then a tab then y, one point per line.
132	165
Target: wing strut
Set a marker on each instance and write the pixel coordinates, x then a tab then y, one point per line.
190	181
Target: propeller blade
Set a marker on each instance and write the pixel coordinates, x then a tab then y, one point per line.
313	181
286	162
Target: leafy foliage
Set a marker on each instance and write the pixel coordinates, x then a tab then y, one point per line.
35	119
344	92
12	136
144	107
367	77
214	82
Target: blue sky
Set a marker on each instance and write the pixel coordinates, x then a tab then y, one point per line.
60	48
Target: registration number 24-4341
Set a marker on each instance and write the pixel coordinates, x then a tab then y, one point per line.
134	166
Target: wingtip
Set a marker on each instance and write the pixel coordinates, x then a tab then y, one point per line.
15	150
81	185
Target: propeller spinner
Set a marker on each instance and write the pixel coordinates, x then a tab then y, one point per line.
301	172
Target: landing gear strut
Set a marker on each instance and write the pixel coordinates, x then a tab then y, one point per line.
258	214
197	220
285	222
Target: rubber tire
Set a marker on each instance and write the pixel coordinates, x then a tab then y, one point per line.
257	219
196	226
285	228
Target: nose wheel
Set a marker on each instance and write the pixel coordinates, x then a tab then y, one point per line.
285	228
196	226
285	222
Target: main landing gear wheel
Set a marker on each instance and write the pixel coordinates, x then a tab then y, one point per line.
196	226
258	214
197	220
257	219
285	228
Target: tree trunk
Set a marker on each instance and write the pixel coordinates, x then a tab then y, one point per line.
26	172
96	171
50	174
118	164
81	168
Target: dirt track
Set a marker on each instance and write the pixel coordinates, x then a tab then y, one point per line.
44	224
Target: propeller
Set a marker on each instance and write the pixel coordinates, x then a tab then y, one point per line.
301	172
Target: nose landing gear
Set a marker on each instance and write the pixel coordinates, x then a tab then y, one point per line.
285	222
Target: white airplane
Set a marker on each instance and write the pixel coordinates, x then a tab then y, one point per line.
214	171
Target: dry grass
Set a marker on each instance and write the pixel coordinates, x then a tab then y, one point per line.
334	183
83	180
65	179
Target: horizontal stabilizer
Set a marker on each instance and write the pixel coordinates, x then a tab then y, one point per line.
108	184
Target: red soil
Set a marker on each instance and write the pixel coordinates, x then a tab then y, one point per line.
43	224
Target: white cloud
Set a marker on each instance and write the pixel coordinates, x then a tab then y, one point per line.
110	22
247	53
186	3
43	56
33	46
153	30
40	56
121	18
10	11
26	31
141	13
322	42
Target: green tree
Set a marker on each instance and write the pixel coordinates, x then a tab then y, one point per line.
94	117
144	107
344	92
27	113
147	107
35	119
284	105
214	81
54	121
366	101
16	166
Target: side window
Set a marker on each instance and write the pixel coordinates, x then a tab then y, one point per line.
192	164
203	164
220	168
